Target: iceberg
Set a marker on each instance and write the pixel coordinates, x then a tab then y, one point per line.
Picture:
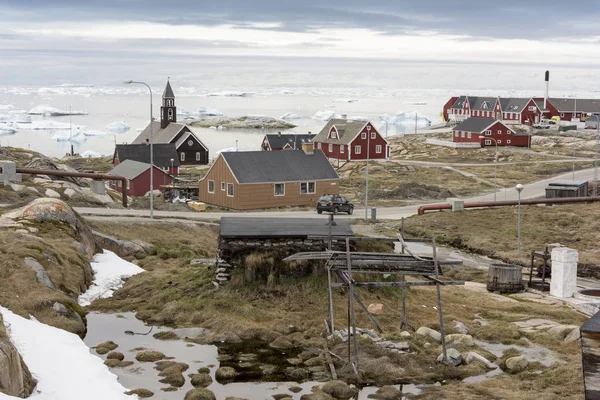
402	118
289	115
67	136
117	127
53	112
52	125
324	115
208	112
91	154
230	94
8	128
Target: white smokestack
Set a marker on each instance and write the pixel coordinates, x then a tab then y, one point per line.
547	85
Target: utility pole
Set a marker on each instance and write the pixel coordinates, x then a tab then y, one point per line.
367	172
70	132
596	157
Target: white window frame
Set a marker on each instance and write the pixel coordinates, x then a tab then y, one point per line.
508	141
232	190
456	133
373	135
378	149
468	135
488	142
499	131
213	186
119	183
275	189
222	186
198	155
363	135
562	115
307	185
499	141
488	133
182	156
342	148
330	147
462	134
357	149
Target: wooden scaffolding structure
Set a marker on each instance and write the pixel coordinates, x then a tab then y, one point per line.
343	264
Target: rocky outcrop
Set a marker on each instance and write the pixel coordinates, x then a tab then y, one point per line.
122	248
15	378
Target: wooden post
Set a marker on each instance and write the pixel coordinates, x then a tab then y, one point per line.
403	322
369	315
330	223
330	297
402	234
351	304
439	299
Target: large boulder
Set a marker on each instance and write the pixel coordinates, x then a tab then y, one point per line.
386	393
15	378
430	333
459	339
122	248
54	210
339	390
472	357
453	357
46	163
516	364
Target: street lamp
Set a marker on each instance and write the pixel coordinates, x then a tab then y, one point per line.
519	188
129	82
495	163
173	178
367	171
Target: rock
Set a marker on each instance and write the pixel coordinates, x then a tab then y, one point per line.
32	189
282	396
200	380
376	308
453	357
281	342
226	337
516	364
115	355
573	336
405	334
122	248
200	394
312	362
339	390
426	345
105	347
295	389
386	393
114	363
172	377
60	308
461	328
472	356
190	333
172	366
47	210
15	378
459	339
316	396
141	393
52	193
70	193
286	329
17	188
40	272
431	333
225	374
560	331
149	356
32	229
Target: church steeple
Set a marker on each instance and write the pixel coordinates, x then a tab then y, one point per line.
168	111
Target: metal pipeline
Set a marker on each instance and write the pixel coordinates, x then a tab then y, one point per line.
104	177
563	200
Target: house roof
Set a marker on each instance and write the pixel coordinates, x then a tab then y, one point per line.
459	102
163	153
513	104
129	169
576	105
168	93
477	103
592	325
185	137
475	124
239	227
279	166
159	135
347	130
277	141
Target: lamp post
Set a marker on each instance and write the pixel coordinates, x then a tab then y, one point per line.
367	171
519	188
129	82
495	163
595	192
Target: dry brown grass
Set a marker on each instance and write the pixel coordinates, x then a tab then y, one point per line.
494	231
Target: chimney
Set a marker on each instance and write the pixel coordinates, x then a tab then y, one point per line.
308	148
344	116
278	133
547	79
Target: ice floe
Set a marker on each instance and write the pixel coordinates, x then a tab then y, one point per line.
69	136
289	115
402	118
110	272
53	112
117	127
230	94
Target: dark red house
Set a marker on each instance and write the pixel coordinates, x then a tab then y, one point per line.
571	108
164	155
447	107
489	132
349	140
138	175
510	110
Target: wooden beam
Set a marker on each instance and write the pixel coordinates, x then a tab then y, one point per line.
395	284
369	315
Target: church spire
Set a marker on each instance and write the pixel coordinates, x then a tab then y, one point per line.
168	111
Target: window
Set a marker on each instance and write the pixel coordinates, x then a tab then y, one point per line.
229	189
488	142
499	141
508	142
499	131
363	135
378	149
317	145
356	149
190	142
341	148
462	134
128	185
488	133
373	135
280	189
330	147
456	134
211	186
170	113
119	183
198	156
182	156
562	115
307	188
508	132
531	108
222	186
468	135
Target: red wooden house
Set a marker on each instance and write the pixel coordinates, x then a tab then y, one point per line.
510	110
277	141
489	132
164	155
350	140
138	175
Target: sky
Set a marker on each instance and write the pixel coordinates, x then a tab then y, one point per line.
100	41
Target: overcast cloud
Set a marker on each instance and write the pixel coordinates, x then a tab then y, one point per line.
96	40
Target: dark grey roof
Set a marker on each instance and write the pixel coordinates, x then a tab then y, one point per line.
474	124
459	102
279	166
234	227
578	105
294	140
540	103
159	135
129	169
168	93
593	118
482	103
513	104
592	325
163	153
347	131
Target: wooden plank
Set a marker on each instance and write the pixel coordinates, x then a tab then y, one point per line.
369	315
395	284
329	361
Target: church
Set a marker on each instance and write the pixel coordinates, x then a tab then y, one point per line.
190	149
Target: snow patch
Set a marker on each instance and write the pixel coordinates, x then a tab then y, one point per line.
110	271
48	111
225	150
117	127
61	363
